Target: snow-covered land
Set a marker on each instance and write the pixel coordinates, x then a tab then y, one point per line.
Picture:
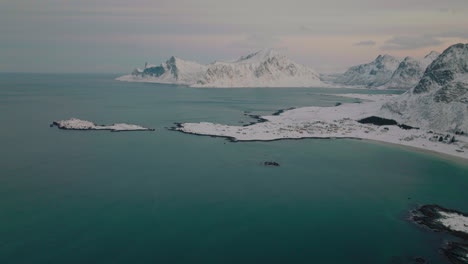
265	68
440	100
335	122
78	124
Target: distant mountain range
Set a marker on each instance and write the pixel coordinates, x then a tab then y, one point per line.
269	68
387	72
265	68
440	99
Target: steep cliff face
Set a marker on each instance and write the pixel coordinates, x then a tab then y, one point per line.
174	71
440	99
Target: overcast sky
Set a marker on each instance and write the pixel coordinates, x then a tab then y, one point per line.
116	36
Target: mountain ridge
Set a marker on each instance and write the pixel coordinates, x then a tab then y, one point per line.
373	74
409	72
264	68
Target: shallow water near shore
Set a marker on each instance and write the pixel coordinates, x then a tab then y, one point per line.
168	197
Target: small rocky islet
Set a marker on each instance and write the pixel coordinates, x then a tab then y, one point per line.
455	223
78	124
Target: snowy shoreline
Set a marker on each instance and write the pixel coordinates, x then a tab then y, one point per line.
339	122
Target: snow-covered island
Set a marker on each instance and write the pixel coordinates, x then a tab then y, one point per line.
78	124
265	68
431	116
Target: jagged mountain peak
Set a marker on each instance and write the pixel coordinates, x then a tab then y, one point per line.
386	57
260	55
410	71
172	59
176	60
264	68
408	58
432	55
450	65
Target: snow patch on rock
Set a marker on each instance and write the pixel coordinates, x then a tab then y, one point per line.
454	221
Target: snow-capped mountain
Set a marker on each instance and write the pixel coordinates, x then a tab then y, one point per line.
173	71
265	68
373	74
440	99
409	72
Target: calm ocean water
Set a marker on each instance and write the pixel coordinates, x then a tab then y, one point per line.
167	197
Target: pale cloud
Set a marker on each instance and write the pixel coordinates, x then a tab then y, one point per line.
365	43
410	42
460	33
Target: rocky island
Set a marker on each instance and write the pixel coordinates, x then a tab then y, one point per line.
450	221
78	124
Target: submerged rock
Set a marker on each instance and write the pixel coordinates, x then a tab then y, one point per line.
271	163
457	252
407	260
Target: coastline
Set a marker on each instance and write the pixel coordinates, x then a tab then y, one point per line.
448	157
339	122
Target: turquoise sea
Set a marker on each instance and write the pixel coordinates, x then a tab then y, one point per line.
167	197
